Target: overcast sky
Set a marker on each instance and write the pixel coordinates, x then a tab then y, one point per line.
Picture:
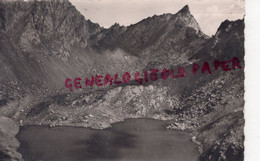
208	13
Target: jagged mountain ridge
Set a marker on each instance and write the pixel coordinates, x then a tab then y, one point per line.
41	47
142	34
49	40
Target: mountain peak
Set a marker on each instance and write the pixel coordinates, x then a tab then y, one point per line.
185	9
116	25
187	18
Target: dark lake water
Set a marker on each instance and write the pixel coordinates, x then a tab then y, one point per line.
132	140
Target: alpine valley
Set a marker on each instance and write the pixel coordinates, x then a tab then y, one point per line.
42	43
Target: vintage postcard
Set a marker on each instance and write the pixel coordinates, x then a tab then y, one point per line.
122	80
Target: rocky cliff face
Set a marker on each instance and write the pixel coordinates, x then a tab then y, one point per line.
44	42
57	42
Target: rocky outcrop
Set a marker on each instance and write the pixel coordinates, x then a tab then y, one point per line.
47	41
8	142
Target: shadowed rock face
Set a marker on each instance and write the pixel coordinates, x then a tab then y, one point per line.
47	41
44	42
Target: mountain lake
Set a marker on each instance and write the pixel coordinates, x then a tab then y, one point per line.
131	140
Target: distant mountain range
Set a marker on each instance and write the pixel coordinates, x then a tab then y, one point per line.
45	42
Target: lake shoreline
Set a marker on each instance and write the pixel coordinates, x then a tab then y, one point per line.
163	129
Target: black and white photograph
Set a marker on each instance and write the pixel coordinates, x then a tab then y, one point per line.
122	80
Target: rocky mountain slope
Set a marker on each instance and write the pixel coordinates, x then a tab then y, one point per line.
45	42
